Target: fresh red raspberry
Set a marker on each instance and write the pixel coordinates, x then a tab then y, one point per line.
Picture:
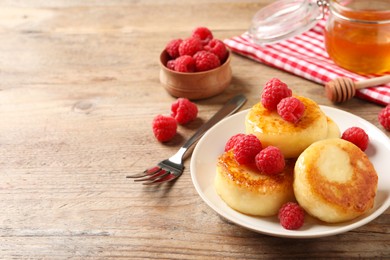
246	149
291	216
270	160
231	143
184	110
357	136
384	117
164	128
274	91
171	64
205	60
172	48
190	46
218	48
203	34
291	109
185	63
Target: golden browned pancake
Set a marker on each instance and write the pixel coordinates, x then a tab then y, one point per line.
335	181
333	129
246	190
291	138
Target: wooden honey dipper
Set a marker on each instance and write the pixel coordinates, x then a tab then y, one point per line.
342	89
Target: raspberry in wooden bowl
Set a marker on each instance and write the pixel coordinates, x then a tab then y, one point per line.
194	84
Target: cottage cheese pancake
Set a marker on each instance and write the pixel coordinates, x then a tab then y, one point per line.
291	138
335	181
246	190
333	129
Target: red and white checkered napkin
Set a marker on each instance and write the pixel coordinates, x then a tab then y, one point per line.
305	56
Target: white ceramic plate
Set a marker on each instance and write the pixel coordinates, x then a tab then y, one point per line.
211	145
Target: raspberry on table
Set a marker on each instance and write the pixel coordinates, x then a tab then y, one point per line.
184	111
218	48
384	117
270	160
190	46
185	63
205	60
291	109
246	149
203	34
172	48
231	143
357	136
164	127
291	216
274	91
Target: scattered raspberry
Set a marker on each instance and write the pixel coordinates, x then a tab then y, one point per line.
384	117
357	136
190	46
185	63
164	128
291	109
231	143
291	216
246	149
270	160
184	110
172	48
274	91
171	64
203	34
205	60
218	48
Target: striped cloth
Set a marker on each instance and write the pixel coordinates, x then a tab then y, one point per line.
305	56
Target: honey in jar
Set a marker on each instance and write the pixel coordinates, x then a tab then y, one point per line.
357	35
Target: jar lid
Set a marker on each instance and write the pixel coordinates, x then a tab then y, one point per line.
283	19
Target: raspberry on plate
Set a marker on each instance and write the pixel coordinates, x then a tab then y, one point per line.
203	34
270	160
184	63
357	136
205	60
291	109
246	149
172	48
218	48
231	143
164	128
274	91
190	46
291	216
384	117
183	110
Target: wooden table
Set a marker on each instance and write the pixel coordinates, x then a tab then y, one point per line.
79	88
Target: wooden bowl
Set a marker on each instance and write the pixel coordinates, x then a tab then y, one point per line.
195	85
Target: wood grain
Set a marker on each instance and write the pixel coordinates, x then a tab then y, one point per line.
79	88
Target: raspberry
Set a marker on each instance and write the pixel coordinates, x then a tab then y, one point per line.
203	34
291	216
185	63
172	48
291	109
357	136
190	46
231	143
184	110
274	91
384	117
171	64
164	128
205	60
270	160
218	48
246	149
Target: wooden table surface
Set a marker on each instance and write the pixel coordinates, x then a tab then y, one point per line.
79	88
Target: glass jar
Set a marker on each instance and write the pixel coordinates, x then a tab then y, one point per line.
357	35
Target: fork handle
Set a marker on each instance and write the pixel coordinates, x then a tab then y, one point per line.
229	108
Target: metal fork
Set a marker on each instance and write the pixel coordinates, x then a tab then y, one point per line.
170	169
